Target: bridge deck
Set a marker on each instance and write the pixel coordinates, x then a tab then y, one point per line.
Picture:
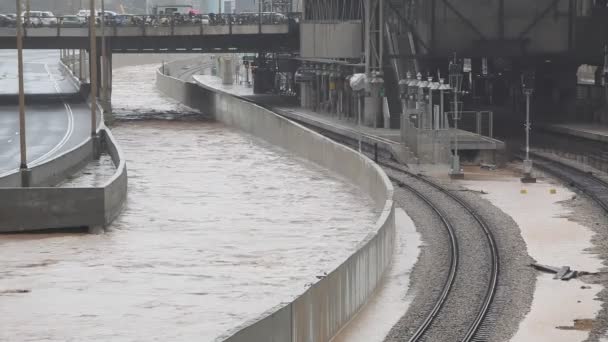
249	37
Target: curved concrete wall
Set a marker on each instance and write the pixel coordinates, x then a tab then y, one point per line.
322	310
54	170
37	208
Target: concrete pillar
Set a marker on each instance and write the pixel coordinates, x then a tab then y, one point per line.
98	67
106	100
226	71
81	65
304	95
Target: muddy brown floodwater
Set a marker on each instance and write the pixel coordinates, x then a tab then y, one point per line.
219	227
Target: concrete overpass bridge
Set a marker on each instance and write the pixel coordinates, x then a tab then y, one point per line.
234	35
160	34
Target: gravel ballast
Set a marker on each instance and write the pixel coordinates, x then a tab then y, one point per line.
516	279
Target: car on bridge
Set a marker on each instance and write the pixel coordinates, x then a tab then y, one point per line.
71	21
39	18
83	15
6	21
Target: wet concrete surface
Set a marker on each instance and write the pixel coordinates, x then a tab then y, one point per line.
552	238
218	228
41	73
388	304
95	174
51	129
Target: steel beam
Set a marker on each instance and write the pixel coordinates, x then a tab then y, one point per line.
464	19
537	19
501	19
409	26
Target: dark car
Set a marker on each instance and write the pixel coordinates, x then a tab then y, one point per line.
7	21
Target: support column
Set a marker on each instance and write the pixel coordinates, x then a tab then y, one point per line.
107	96
109	84
374	50
98	75
73	62
81	65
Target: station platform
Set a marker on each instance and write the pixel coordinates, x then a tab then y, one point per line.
387	139
596	132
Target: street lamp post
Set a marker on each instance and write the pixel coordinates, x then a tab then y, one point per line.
104	64
442	89
605	77
93	70
22	142
527	82
456	77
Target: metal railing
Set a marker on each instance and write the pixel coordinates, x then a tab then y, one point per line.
479	122
264	18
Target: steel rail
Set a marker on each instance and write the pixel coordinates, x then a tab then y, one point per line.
493	283
566	174
447	287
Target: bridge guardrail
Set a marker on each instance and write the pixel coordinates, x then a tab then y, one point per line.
169	21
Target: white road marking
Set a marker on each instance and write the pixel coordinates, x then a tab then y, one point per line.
70	130
65	138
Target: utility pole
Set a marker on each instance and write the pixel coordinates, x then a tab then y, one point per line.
22	142
527	83
374	59
456	78
93	69
104	64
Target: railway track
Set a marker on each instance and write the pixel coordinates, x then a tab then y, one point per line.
589	184
476	330
478	325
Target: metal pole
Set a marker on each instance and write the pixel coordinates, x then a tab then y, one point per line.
93	69
22	142
27	10
81	64
359	119
528	177
456	123
104	64
527	125
441	110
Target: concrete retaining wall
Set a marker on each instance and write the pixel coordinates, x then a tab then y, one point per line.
38	208
55	170
324	308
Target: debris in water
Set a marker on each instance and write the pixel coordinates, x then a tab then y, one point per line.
562	273
579	324
14	291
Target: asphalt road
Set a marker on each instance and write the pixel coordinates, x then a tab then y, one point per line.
51	129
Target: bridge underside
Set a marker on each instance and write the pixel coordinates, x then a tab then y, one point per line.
198	44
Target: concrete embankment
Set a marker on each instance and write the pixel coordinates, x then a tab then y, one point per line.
326	307
46	207
43	206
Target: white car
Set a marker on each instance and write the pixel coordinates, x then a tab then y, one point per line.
39	18
83	15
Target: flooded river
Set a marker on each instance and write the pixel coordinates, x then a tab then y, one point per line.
218	228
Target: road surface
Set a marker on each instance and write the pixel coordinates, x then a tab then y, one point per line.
51	129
